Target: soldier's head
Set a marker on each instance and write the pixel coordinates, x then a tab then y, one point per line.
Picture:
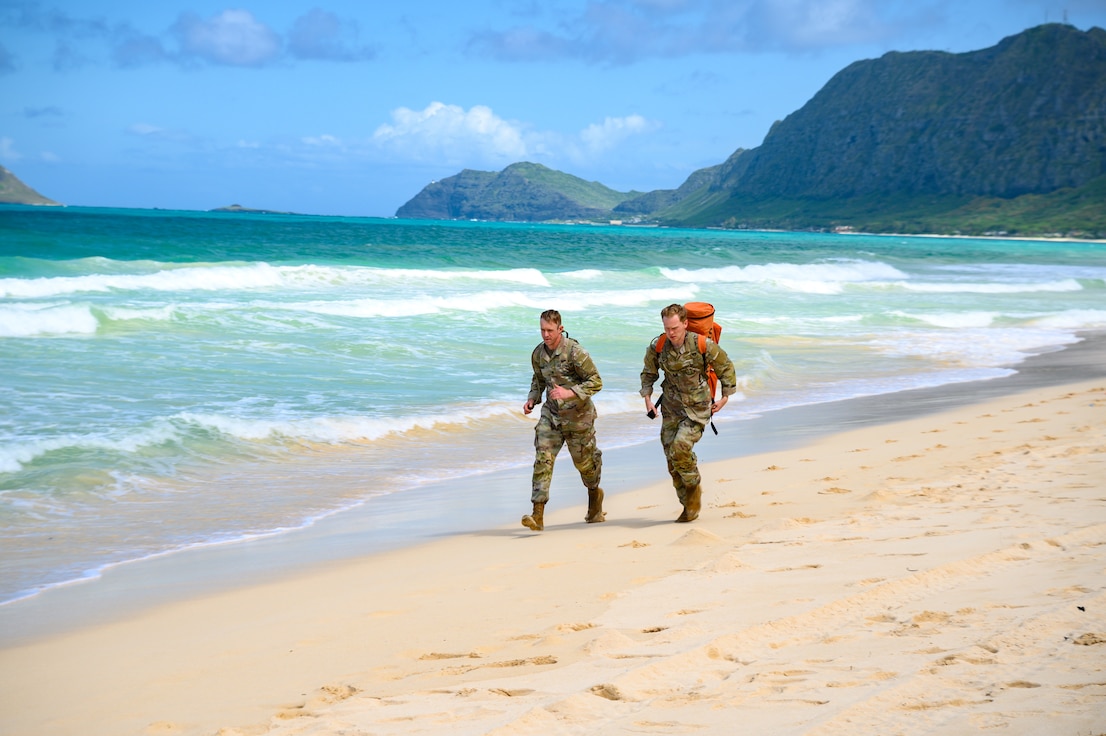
674	317
551	330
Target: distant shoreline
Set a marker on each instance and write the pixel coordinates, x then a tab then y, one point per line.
239	209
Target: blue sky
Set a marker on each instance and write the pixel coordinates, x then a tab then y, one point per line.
349	107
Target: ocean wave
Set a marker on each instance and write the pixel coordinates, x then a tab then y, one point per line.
16	454
991	288
485	301
951	320
1074	319
233	277
354	428
152	314
986	347
337	429
813	278
29	320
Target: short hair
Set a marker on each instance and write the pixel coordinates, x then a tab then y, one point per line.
674	310
552	316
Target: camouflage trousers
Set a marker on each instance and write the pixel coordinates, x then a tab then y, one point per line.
678	437
550	436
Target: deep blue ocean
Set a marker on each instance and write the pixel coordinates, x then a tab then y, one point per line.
178	379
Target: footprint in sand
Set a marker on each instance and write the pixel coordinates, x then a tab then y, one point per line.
515	693
574	627
324	696
444	655
608	691
698	536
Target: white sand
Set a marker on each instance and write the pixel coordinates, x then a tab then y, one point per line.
942	575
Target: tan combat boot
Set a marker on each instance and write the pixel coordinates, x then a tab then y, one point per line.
535	521
596	513
692	503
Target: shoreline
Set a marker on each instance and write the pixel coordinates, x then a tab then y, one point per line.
932	564
412	517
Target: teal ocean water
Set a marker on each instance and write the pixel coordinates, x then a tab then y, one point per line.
179	379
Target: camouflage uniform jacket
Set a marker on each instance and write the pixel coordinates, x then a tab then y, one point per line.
685	381
569	366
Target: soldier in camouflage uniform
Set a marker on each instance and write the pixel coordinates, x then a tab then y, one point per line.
687	405
565	373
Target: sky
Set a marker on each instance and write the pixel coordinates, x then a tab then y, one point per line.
351	107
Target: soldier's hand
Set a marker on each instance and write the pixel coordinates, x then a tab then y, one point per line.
717	406
560	392
528	406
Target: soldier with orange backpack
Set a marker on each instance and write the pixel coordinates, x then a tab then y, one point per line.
692	363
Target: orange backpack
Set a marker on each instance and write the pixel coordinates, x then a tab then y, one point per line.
700	320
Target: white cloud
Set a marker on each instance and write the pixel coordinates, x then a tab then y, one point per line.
321	140
454	134
477	137
7	150
599	137
160	134
232	38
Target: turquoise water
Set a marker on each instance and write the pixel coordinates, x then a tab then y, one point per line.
174	379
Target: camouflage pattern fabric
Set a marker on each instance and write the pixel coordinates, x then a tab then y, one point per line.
565	421
549	438
685	382
685	409
678	437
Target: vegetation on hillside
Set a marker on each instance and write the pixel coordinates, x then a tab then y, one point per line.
14	191
1009	139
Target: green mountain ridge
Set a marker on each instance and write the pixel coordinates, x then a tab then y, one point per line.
1010	139
522	191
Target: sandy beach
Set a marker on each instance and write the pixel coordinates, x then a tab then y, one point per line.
945	573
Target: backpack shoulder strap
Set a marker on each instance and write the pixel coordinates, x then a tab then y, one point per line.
701	342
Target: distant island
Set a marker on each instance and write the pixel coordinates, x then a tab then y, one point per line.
249	210
1009	140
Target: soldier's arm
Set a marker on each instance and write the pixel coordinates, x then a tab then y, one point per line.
537	383
723	366
651	372
584	367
